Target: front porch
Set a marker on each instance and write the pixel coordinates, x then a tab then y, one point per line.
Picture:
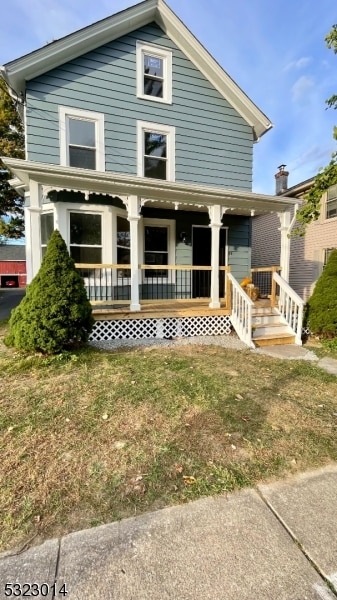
273	317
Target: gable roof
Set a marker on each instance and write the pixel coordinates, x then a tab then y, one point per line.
71	46
12	252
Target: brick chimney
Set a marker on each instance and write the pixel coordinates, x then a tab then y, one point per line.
281	180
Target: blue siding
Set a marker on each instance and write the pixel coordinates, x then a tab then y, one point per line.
213	142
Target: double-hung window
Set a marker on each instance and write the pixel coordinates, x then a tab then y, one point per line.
154	73
85	237
82	139
156	151
331	202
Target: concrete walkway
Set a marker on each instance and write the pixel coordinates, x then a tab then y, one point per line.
277	542
292	352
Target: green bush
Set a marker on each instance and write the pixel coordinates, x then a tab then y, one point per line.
55	314
322	306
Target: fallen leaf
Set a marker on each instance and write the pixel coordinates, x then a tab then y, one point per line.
244	418
179	469
188	479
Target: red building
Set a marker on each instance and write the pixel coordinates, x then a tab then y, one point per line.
12	266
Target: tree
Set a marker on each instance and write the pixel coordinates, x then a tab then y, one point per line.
326	176
11	145
55	313
322	306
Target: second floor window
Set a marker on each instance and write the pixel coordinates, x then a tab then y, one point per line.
331	202
156	151
82	143
82	139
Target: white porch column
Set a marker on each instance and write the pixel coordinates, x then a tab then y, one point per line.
215	213
33	231
133	207
286	224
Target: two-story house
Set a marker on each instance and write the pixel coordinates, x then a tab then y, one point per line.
139	150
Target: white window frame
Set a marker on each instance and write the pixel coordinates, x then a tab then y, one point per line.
126	280
86	212
170	224
43	213
327	201
66	113
170	132
165	55
326	255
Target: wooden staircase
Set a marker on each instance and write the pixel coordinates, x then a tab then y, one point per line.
268	327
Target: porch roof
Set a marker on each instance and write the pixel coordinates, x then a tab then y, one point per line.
185	196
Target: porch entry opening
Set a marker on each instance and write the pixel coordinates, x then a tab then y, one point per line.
201	256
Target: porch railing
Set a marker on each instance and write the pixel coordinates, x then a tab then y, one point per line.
111	283
241	307
263	279
291	307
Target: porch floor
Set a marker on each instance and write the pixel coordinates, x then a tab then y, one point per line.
167	309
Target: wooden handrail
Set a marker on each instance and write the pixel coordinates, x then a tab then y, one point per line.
149	267
266	269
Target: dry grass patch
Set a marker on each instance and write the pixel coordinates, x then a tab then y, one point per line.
90	437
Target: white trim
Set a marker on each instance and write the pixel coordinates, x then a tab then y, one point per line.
166	56
66	113
170	133
170	224
121	184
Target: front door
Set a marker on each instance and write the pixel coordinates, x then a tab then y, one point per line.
201	256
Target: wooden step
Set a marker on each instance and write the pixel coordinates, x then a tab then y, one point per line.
274	340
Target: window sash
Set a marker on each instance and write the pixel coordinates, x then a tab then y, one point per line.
331	208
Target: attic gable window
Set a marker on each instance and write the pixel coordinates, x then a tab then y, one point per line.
154	73
81	139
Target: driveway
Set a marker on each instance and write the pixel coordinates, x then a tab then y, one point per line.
9	299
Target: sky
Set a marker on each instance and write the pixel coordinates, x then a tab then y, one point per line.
274	50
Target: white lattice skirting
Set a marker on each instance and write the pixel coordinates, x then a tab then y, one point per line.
137	329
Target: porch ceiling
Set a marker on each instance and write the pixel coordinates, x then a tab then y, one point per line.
184	196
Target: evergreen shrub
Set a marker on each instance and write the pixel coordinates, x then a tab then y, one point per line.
321	315
55	313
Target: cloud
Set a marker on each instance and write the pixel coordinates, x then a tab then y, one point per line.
298	64
301	87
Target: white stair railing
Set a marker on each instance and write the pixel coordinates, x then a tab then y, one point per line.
241	315
291	307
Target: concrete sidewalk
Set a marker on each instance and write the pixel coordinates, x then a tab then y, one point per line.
278	542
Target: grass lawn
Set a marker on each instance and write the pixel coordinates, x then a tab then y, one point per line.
91	437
